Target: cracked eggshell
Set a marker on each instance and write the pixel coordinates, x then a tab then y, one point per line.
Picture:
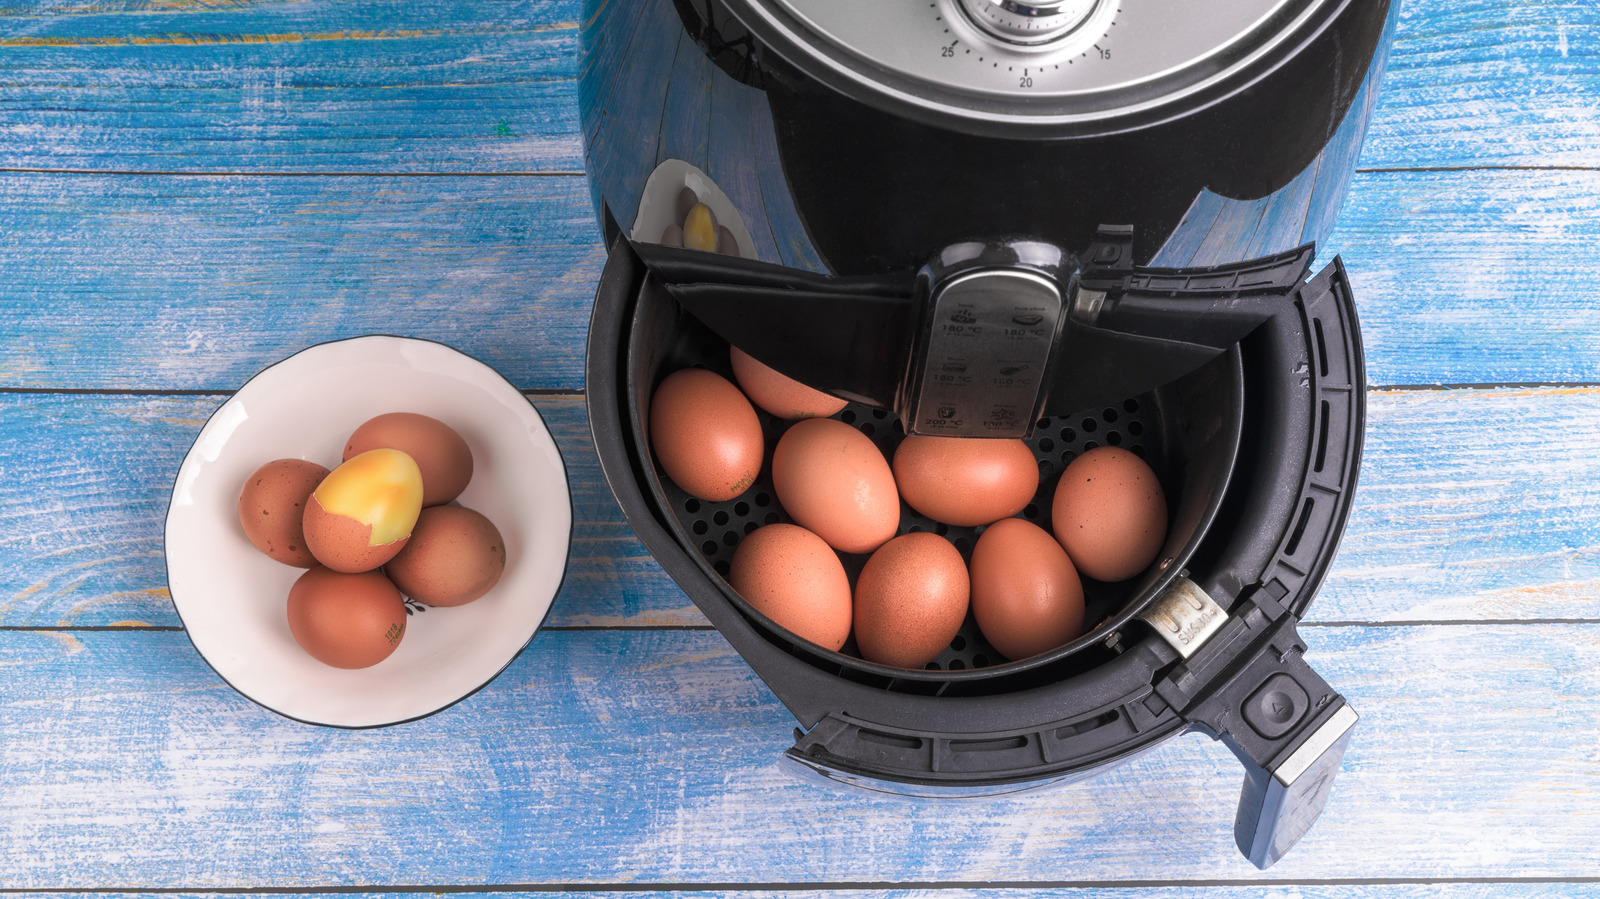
363	511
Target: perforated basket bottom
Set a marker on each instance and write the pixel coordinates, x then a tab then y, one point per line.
715	529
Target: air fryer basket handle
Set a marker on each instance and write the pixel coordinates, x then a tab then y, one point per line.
1277	807
1248	685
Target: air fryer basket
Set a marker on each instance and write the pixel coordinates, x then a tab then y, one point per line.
1257	545
1188	431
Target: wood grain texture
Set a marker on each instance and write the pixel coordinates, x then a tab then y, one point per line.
486	86
1422	888
439	85
1474	277
649	757
198	282
1490	83
1472	505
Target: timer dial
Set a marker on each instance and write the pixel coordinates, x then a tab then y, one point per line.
1028	22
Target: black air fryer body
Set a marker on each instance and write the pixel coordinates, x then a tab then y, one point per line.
1174	221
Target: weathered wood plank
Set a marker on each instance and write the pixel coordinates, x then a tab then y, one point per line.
1490	83
1472	505
197	282
483	86
1431	889
653	757
1475	277
315	86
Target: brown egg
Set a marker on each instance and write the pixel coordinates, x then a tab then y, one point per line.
834	482
1026	596
910	600
440	453
346	620
965	481
777	393
272	508
727	244
687	200
705	434
363	511
454	556
790	575
1109	513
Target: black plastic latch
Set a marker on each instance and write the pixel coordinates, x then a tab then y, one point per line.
1108	263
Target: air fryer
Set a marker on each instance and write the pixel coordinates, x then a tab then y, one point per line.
1148	181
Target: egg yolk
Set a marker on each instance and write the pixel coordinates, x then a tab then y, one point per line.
381	488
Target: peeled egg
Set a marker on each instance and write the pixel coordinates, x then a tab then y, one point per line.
363	511
454	556
965	481
1109	513
833	481
778	393
700	228
346	620
790	575
705	434
910	600
440	453
272	509
1026	596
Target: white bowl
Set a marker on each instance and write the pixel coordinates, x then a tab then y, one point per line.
232	598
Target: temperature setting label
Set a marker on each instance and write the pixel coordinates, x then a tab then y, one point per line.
988	345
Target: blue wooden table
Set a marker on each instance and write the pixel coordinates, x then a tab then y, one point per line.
191	190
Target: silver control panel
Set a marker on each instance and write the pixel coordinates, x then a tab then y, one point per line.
1087	59
988	341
